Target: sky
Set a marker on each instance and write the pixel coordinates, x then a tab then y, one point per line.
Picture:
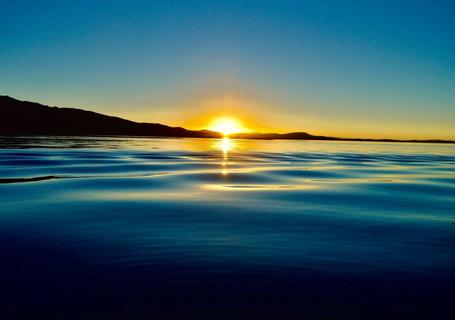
342	68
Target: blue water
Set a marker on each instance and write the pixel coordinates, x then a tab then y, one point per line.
107	228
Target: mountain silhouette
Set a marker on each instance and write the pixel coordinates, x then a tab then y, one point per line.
30	118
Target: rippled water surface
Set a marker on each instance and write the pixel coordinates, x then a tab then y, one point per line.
189	228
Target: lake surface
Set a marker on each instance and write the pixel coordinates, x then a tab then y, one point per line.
94	228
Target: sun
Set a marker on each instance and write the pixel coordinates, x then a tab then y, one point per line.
227	126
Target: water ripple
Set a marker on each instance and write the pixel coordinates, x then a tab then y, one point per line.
158	222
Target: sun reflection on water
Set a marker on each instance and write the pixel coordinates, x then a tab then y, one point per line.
225	145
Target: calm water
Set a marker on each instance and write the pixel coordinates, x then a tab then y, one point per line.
191	228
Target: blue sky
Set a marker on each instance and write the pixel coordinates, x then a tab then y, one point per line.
345	68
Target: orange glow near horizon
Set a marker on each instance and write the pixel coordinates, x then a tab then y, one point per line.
227	126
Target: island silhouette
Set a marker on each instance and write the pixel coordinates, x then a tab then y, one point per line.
30	118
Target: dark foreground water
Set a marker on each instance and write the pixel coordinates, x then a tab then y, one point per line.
109	228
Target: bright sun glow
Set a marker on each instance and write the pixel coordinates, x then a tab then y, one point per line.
227	126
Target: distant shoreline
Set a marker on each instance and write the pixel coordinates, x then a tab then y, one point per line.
23	118
233	138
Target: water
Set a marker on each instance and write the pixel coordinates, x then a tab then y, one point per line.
192	228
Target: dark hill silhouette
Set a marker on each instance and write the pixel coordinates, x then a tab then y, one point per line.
30	118
287	136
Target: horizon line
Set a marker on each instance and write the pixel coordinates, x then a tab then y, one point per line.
258	135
